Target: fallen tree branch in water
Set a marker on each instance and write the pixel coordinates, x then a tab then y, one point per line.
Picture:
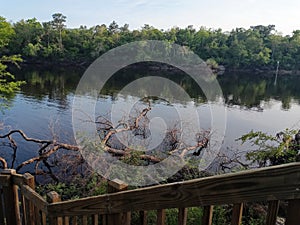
138	126
48	148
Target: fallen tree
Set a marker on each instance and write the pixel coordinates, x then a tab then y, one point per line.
137	125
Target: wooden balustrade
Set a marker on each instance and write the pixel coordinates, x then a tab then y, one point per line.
20	204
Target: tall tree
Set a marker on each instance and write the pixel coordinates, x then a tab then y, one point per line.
58	23
7	83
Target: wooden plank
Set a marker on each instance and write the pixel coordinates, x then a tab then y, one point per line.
4	180
114	186
67	220
161	217
44	218
237	214
272	183
38	219
23	209
95	219
293	214
19	179
28	182
143	217
104	220
273	208
182	216
126	218
84	220
34	198
74	220
2	219
28	212
11	200
207	215
53	197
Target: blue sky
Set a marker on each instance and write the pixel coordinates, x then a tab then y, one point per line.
164	14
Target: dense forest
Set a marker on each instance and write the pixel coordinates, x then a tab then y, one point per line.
259	47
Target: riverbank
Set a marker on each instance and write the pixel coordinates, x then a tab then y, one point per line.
155	66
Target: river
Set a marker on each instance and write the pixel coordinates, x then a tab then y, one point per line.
43	106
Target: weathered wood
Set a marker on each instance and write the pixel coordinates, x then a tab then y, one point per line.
84	220
53	197
273	207
11	200
19	179
114	186
207	215
95	219
273	183
161	217
4	180
293	214
34	198
74	220
126	218
143	217
37	216
182	216
23	208
237	214
2	219
28	180
44	218
66	220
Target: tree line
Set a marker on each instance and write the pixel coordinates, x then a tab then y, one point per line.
259	47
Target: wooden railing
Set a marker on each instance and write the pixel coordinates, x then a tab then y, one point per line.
20	204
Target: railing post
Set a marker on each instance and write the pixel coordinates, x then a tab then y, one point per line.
273	208
143	217
161	217
237	214
114	186
53	197
28	208
207	215
11	200
293	214
182	216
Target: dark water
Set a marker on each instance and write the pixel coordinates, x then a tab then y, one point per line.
43	107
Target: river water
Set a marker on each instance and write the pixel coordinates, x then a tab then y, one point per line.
43	106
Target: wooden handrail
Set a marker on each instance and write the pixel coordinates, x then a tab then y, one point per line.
34	197
266	184
271	184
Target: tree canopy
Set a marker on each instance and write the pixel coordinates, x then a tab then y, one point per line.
7	83
258	47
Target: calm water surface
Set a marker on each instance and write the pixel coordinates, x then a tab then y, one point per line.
43	107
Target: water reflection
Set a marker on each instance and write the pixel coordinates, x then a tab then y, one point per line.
47	99
52	85
252	91
249	91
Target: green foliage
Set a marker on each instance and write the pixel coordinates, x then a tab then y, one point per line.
270	149
79	187
8	85
259	47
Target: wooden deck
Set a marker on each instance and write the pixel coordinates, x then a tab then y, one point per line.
20	204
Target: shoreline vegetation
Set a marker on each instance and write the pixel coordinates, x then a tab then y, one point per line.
155	66
258	49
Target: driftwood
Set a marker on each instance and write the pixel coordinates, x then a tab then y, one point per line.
135	125
48	147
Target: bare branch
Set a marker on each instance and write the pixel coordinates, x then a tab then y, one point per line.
4	163
25	137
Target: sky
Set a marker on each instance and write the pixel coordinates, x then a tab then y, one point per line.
162	14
